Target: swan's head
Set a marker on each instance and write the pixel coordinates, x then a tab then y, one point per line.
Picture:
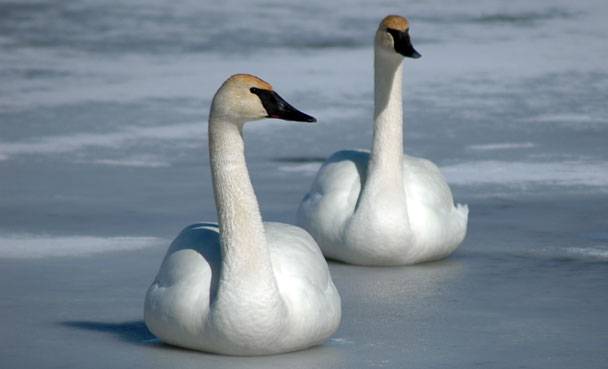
393	37
243	98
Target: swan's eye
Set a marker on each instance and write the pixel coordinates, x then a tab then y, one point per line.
254	90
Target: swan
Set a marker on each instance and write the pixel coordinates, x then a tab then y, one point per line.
243	286
382	207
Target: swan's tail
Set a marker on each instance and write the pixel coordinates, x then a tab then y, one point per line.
462	211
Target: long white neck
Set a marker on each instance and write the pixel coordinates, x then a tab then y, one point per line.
246	272
387	146
383	187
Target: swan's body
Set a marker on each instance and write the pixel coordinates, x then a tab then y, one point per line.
242	287
383	207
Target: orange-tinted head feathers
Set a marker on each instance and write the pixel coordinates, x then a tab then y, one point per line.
249	80
395	22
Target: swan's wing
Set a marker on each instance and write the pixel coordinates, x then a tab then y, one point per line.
439	225
296	256
195	253
333	196
304	280
425	184
187	277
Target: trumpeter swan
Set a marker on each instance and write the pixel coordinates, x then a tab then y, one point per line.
242	287
383	207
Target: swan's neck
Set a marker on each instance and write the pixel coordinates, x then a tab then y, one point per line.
382	199
246	271
386	155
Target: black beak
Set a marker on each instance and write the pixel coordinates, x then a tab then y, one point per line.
277	107
403	44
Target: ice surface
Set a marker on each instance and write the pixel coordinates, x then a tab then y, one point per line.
103	160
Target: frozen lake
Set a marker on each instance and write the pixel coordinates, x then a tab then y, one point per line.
103	160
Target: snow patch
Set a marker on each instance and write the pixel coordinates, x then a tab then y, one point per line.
565	173
501	146
134	161
28	246
306	168
589	253
80	141
563	118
